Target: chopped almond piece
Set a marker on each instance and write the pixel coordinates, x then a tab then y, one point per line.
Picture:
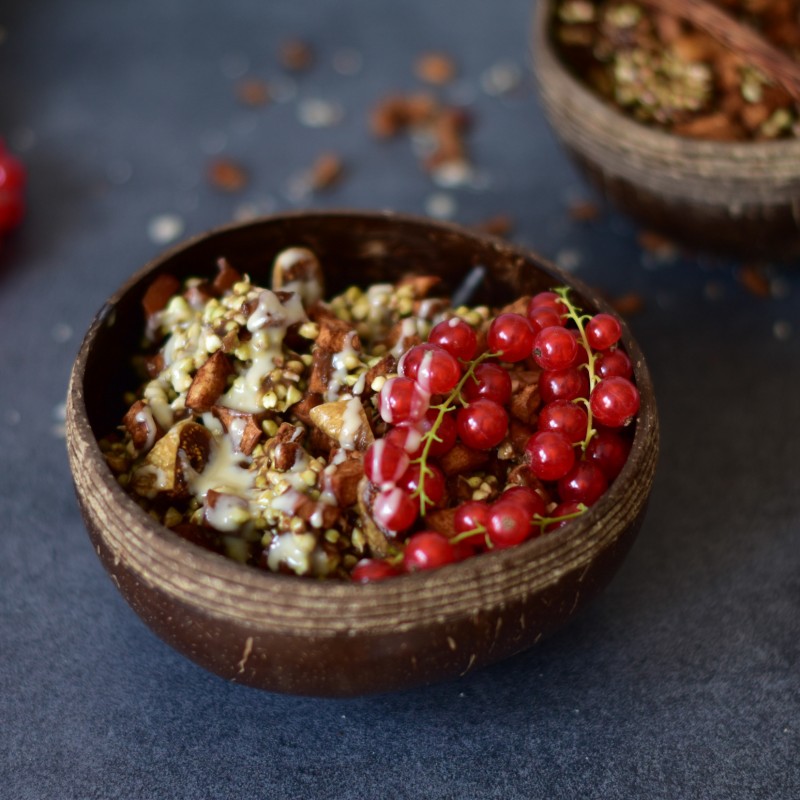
442	520
436	68
245	428
158	294
462	459
227	175
142	426
343	480
209	383
226	276
525	404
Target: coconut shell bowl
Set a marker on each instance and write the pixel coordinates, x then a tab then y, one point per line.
732	198
326	637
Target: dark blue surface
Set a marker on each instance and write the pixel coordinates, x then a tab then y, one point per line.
680	681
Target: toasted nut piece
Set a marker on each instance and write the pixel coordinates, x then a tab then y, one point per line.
225	512
142	426
226	276
158	294
518	435
163	471
525	403
436	68
460	459
519	306
343	480
375	535
298	269
198	294
442	520
336	335
316	514
302	410
386	366
154	364
209	382
421	285
345	421
244	429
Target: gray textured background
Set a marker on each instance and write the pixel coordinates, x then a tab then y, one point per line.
680	681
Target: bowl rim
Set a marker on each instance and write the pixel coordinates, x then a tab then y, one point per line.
248	589
545	57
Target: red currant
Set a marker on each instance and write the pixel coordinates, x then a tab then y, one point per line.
403	400
584	483
369	570
550	455
432	367
543	317
563	384
509	523
482	424
490	382
555	348
524	495
434	483
613	362
472	516
385	462
12	173
614	402
609	450
603	331
581	355
394	509
565	417
511	337
563	510
427	550
455	336
445	434
546	300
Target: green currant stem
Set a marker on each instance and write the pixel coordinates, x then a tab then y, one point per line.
579	319
543	522
430	436
477	530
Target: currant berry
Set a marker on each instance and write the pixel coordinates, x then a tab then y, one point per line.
434	483
609	450
509	523
546	300
403	400
584	483
472	516
614	402
369	570
385	463
482	424
455	336
550	455
408	437
394	509
432	367
511	337
542	317
564	416
563	510
490	382
445	434
555	348
581	354
525	496
603	331
613	363
427	550
563	384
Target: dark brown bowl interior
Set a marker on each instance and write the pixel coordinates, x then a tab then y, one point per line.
739	199
322	638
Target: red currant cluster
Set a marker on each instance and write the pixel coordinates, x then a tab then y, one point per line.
445	391
12	189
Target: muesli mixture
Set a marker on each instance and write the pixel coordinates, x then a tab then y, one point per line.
378	432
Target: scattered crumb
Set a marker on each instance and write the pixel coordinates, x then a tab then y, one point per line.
754	279
317	113
296	55
165	228
628	304
326	171
584	210
440	206
501	78
227	175
61	332
657	244
435	68
59	417
568	259
253	92
498	225
347	61
782	330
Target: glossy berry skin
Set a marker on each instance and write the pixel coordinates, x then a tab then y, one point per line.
446	433
490	382
403	400
385	462
369	570
509	524
609	450
12	185
408	437
555	348
564	416
522	495
427	550
511	337
482	424
563	510
603	331
455	336
563	384
547	300
584	483
394	509
434	483
12	210
432	367
472	516
550	455
614	402
543	317
613	362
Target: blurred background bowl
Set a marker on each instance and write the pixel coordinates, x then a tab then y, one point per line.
734	198
321	638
